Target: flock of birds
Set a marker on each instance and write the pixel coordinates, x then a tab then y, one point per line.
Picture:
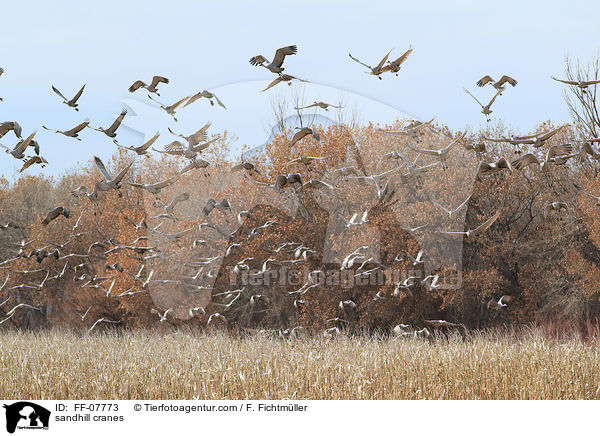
189	148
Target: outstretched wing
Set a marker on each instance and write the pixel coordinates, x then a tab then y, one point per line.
282	52
193	98
524	161
122	173
174	146
440	206
136	85
568	82
147	145
74	99
506	79
219	102
273	83
165	183
102	168
356	60
484	80
559	150
258	60
158	79
59	93
20	148
453	143
494	98
586	193
402	58
548	135
178	103
486	225
199	147
474	98
78	128
115	125
383	60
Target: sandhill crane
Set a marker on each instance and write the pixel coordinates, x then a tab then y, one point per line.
162	316
55	213
554	206
493	167
8	225
72	133
501	303
418	260
317	184
305	160
414	129
537	140
18	152
486	110
413	170
442	323
7	126
499	85
378	69
301	133
112	183
176	148
402	330
196	163
32	161
284	78
142	149
452	212
170	109
155	188
212	319
92	196
441	154
156	80
544	166
196	311
472	234
332	332
247	166
394	66
83	315
357	220
243	214
73	102
205	94
111	132
170	208
276	65
102	320
347	305
581	84
319	104
195	138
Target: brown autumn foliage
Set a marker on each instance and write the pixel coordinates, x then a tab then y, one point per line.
194	265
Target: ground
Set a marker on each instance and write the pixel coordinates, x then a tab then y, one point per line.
143	365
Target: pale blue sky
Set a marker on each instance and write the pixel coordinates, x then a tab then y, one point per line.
109	44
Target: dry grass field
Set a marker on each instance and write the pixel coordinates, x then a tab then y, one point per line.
142	365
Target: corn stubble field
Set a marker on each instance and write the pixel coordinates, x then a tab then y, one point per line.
142	365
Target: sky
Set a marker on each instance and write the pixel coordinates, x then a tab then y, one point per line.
197	45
